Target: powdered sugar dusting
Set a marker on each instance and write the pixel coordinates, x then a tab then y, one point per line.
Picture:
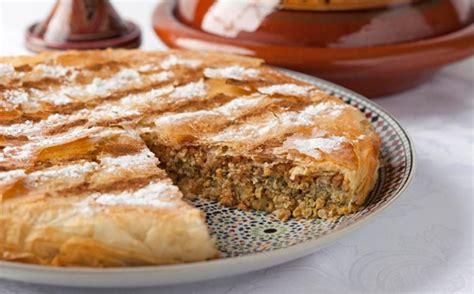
183	116
6	69
52	71
236	106
143	159
191	90
65	94
124	78
229	111
25	152
19	129
109	132
231	72
34	130
312	146
16	97
11	176
161	76
286	89
279	122
102	87
146	68
155	195
308	115
141	99
73	172
173	60
51	96
246	131
109	112
30	100
127	107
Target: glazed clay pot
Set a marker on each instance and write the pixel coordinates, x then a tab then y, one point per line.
281	24
82	24
375	47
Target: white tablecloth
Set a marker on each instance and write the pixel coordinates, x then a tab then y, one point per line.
424	244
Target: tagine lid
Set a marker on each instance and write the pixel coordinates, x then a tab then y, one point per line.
326	23
78	24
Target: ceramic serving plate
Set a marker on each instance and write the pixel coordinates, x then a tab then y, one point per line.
252	240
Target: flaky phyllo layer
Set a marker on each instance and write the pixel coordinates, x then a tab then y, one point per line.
89	140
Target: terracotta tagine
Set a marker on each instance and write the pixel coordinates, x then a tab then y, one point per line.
375	47
82	24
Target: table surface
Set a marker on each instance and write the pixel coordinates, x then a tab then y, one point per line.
423	244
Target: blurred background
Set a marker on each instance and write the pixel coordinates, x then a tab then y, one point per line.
17	15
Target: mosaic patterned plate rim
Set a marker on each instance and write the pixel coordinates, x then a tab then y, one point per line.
232	265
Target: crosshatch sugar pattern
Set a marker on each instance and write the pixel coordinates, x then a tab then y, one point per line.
241	233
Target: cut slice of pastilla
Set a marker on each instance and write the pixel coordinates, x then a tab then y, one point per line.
104	203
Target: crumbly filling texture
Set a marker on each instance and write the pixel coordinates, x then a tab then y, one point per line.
250	183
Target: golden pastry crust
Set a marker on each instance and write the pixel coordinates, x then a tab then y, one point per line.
223	127
103	203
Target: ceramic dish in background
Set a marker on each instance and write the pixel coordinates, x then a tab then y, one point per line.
251	240
80	25
375	50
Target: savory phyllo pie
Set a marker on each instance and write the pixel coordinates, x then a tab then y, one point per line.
98	148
